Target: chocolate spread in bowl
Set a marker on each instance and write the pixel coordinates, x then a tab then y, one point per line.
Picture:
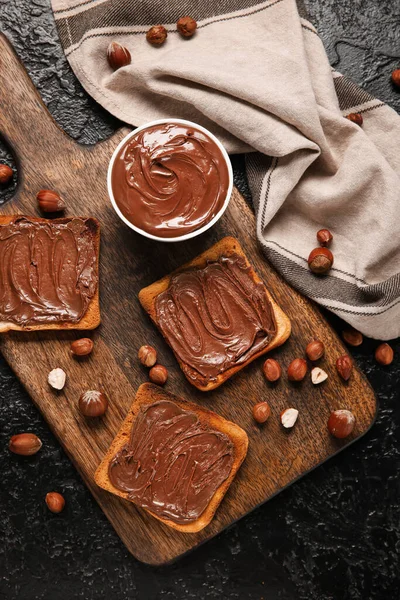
170	179
48	270
173	464
215	317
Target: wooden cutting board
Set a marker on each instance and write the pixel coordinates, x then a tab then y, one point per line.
47	158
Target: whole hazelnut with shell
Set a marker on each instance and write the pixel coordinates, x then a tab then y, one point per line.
320	260
93	403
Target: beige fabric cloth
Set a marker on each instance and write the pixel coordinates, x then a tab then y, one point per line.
256	74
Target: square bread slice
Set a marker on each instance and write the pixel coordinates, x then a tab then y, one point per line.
91	318
224	248
147	394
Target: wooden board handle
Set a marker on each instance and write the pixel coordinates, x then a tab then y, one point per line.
25	122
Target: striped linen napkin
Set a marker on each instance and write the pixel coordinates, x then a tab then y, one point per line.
256	74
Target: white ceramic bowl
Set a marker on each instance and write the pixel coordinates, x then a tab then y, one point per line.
186	236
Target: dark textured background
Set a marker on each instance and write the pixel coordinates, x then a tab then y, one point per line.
335	535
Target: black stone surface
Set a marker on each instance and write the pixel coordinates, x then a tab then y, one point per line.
334	535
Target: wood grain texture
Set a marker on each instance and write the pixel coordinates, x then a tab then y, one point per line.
47	158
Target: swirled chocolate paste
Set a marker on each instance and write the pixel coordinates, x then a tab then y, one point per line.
216	317
48	270
173	464
170	179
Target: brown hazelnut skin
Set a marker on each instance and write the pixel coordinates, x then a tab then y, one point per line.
341	423
344	366
6	174
272	370
118	56
25	444
82	347
55	502
384	354
156	35
158	374
352	337
147	356
396	78
186	26
93	403
261	412
297	369
320	260
49	201
355	118
324	237
315	350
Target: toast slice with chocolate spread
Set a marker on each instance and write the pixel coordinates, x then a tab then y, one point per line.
216	314
51	284
173	458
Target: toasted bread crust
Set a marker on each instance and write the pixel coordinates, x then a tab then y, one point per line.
149	393
225	247
91	318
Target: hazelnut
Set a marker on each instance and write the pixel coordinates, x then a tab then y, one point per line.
118	56
324	237
186	26
320	260
384	354
318	375
289	417
272	370
158	374
396	77
352	337
315	350
50	201
6	174
82	347
261	412
344	366
355	118
297	369
156	35
56	378
341	423
55	502
147	356
93	403
25	444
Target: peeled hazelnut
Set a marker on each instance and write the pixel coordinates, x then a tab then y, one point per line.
344	366
186	26
82	347
118	56
396	77
289	417
55	502
50	201
315	350
93	403
297	369
261	412
341	423
352	337
384	354
147	356
158	374
272	370
156	35
355	118
6	174
56	378
320	260
318	375
25	444
324	237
